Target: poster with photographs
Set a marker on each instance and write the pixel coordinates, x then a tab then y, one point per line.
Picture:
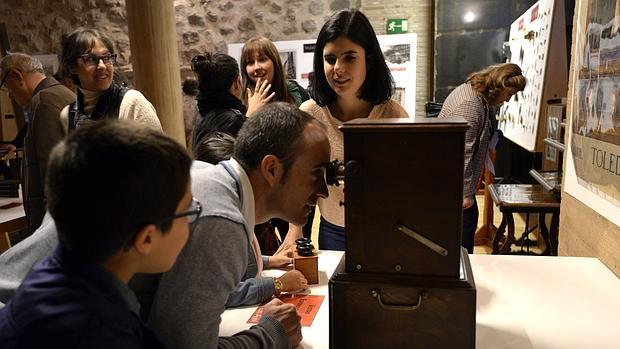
593	152
532	39
399	51
288	61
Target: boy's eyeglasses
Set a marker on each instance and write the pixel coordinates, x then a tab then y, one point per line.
196	60
90	59
192	213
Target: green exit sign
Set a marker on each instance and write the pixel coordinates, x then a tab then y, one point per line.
396	26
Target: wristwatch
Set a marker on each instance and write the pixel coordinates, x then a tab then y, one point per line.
277	284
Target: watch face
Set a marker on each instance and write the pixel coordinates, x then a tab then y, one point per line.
277	284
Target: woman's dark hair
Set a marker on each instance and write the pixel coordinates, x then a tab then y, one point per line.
265	47
190	86
353	25
77	43
216	71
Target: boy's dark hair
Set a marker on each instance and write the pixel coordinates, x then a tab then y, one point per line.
77	43
216	72
107	181
274	129
353	25
216	147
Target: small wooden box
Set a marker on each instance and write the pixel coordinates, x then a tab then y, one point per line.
309	266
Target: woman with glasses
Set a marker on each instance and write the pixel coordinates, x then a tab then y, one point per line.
88	55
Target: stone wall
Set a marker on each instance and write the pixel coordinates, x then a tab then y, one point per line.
36	26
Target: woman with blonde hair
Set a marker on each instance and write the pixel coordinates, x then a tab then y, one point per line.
475	100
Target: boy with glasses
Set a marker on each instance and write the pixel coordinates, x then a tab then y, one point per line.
111	225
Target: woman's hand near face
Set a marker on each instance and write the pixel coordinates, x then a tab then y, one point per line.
259	97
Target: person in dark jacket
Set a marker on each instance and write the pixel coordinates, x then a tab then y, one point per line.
219	90
111	225
43	98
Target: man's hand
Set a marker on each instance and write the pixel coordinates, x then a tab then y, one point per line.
259	97
287	315
293	280
294	232
281	258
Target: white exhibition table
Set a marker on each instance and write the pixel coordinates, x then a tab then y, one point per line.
11	214
522	302
11	219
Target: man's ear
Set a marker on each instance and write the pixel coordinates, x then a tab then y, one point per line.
143	241
271	169
17	74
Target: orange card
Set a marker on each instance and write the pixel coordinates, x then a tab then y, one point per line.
307	307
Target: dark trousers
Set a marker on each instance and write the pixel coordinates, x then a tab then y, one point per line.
470	223
331	236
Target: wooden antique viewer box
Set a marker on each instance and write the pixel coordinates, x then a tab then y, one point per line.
404	282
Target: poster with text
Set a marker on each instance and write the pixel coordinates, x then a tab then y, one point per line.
593	153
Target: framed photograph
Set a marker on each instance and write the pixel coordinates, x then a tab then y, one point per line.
593	150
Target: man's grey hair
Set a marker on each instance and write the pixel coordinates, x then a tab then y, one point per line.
21	61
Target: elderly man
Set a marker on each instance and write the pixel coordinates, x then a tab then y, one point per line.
277	170
43	98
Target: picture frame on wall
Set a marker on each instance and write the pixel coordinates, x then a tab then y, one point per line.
592	172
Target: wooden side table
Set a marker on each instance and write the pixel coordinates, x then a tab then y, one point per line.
525	198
